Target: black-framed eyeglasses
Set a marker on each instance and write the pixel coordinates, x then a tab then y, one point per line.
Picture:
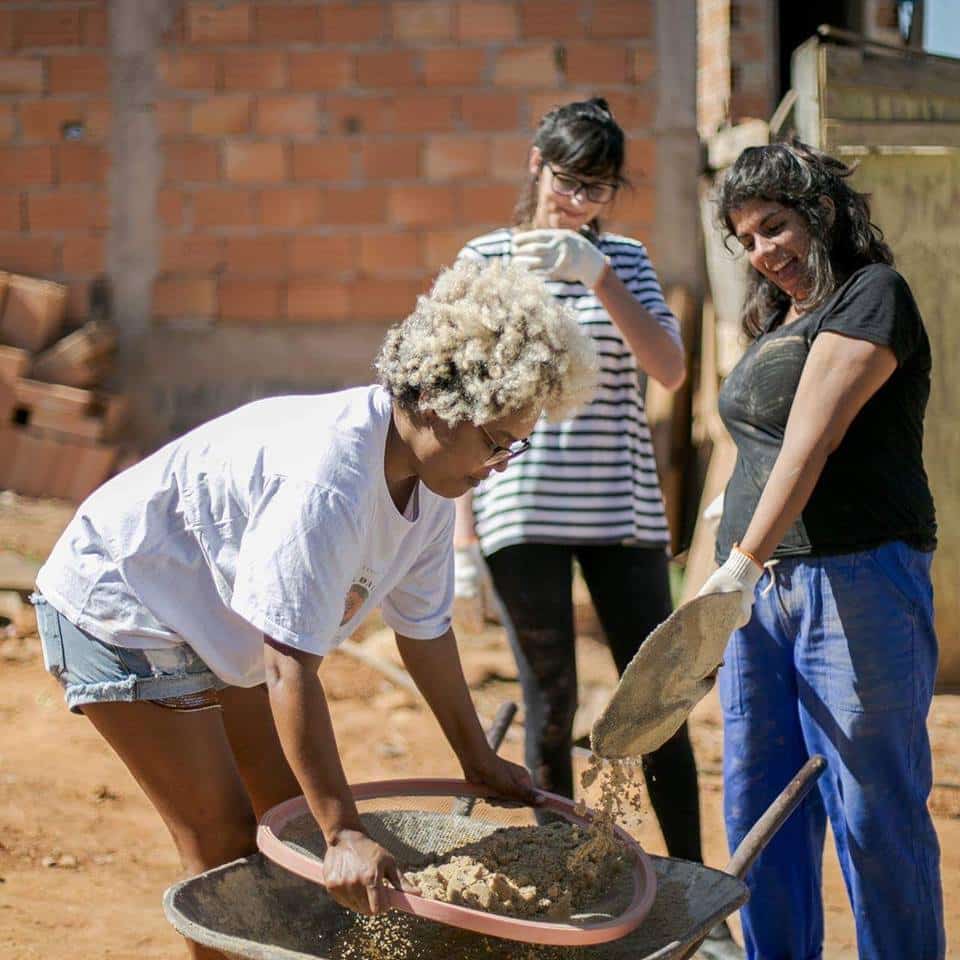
564	185
499	454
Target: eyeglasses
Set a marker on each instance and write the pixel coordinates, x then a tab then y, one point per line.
500	454
566	186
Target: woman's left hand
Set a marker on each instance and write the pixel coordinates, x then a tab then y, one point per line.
508	780
559	255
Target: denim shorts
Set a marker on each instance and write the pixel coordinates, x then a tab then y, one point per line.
91	671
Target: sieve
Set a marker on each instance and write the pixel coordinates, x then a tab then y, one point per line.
417	822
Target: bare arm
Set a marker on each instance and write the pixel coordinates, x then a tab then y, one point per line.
354	866
306	733
841	374
435	668
656	351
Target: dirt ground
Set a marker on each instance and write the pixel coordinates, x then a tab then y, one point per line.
84	859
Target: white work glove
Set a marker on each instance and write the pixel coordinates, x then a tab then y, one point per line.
739	574
560	255
469	576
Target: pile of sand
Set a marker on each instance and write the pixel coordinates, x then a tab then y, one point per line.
543	872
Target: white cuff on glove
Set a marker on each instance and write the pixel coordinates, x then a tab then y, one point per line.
743	568
739	574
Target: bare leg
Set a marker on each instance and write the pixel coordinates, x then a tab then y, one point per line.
249	724
185	765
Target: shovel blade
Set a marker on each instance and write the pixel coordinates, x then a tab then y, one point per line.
669	675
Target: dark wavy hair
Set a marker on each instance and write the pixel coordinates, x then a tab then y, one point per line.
797	176
583	139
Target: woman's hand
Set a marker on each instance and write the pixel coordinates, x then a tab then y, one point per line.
560	255
508	780
739	574
354	869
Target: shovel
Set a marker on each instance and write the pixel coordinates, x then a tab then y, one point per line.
674	669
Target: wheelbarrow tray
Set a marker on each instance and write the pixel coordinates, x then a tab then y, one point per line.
253	908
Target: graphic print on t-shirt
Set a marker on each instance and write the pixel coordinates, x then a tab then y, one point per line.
358	593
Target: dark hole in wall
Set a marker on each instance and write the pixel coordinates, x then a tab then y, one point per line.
799	22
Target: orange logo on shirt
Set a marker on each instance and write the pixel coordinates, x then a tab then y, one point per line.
357	594
356	597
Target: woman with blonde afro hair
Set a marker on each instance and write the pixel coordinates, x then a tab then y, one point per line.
485	343
188	607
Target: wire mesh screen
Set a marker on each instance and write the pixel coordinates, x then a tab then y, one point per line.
480	856
416	830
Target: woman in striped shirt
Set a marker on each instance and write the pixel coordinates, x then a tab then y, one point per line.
587	487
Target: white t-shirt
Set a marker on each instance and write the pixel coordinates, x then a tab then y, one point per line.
273	519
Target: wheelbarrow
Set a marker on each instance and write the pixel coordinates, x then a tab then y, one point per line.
253	908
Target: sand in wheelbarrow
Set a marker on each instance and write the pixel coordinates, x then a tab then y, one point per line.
550	871
540	872
527	871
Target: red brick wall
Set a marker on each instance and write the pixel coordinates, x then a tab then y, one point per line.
713	64
737	62
321	160
53	197
754	59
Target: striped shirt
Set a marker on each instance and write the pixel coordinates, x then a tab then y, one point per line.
593	478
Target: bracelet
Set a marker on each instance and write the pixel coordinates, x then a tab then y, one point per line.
748	555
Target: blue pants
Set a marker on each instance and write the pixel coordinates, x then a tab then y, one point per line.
838	659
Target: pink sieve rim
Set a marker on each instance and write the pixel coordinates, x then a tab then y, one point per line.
511	928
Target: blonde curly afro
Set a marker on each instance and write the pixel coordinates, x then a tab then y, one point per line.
487	342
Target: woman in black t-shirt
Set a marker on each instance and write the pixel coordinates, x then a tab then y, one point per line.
837	652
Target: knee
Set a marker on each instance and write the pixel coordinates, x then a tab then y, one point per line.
210	844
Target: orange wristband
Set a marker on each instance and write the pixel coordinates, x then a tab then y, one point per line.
748	554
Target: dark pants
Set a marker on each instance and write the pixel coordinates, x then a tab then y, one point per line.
631	593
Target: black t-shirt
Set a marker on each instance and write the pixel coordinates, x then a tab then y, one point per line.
873	488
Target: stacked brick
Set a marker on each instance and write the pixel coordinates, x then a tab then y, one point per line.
754	60
54	124
323	160
713	65
737	62
55	428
